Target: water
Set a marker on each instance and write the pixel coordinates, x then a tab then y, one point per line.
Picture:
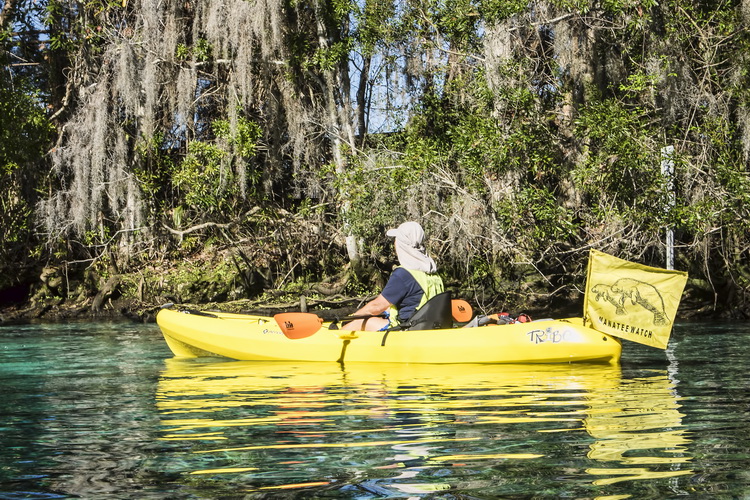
102	410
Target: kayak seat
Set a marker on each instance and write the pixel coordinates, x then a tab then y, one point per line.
435	314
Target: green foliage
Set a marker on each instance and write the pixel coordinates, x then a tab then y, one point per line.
499	10
214	280
622	165
696	218
457	20
534	216
728	185
202	51
25	130
244	137
484	137
204	179
639	82
153	166
205	176
373	24
182	52
372	195
611	7
58	40
25	135
326	59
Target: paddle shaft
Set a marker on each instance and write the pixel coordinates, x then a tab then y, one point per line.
298	325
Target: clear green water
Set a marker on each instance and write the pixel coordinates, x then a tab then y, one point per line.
102	410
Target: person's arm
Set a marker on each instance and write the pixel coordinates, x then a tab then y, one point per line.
376	306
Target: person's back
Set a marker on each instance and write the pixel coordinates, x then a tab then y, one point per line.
408	290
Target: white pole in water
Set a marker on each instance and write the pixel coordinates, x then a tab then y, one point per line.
667	170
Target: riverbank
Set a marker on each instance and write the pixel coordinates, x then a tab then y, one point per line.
217	285
130	309
123	307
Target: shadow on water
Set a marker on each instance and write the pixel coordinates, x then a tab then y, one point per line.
395	430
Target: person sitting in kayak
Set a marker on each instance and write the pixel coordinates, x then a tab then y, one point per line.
410	285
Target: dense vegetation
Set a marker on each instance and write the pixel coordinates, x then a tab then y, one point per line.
218	149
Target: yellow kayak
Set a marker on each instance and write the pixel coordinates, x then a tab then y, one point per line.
259	338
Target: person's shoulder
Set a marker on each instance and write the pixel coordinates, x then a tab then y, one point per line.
400	271
402	274
400	278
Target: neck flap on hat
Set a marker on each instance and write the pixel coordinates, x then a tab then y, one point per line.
410	251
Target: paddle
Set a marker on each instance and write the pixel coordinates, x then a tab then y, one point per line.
461	310
299	325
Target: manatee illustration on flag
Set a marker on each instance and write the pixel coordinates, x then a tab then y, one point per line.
630	300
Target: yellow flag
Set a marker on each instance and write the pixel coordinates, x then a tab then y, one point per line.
632	301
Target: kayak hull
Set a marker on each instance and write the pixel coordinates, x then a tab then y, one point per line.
259	338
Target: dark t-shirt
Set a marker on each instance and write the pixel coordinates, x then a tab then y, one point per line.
403	291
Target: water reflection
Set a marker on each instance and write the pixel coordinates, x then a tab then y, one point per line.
396	429
639	428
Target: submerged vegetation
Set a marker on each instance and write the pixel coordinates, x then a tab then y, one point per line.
220	150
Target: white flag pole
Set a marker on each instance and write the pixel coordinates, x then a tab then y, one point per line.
667	170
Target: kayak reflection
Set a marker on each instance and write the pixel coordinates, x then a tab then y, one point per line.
410	429
638	431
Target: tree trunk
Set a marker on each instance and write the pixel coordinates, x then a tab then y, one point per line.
337	128
362	104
